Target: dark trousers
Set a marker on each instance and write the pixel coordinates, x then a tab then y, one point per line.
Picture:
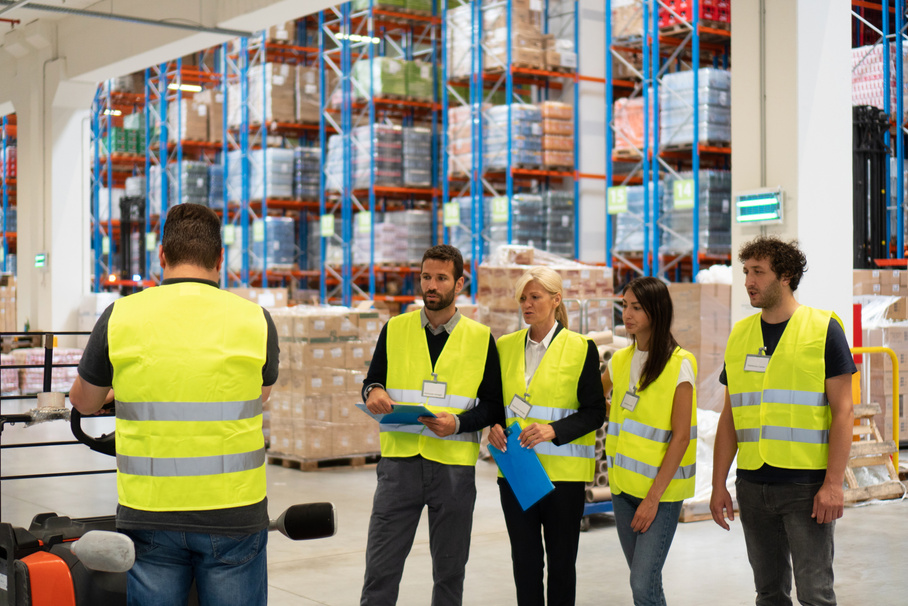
556	519
405	486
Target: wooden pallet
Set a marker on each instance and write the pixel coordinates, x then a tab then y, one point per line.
303	464
625	153
871	452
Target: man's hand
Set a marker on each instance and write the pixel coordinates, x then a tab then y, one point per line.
721	506
442	424
379	402
497	438
645	514
828	504
536	433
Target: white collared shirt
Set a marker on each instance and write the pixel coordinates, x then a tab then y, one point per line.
535	350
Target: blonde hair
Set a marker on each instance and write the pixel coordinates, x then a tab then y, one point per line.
550	281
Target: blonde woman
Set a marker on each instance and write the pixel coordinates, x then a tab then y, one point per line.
552	387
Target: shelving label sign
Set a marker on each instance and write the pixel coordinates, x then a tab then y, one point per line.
326	225
500	210
683	194
229	234
105	245
151	241
617	200
452	214
258	231
364	222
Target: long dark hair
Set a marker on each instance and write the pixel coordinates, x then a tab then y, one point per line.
657	304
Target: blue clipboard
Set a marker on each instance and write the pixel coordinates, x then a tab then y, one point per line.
522	470
401	414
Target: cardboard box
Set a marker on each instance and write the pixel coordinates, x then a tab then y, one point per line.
311	440
214	101
325	355
344	410
266	297
284	33
355	439
315	328
358	356
187	120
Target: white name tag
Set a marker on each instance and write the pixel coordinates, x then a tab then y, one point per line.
520	407
754	363
630	401
434	389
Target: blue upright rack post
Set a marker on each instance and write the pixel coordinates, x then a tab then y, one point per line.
4	184
654	159
609	134
900	130
323	142
695	53
647	98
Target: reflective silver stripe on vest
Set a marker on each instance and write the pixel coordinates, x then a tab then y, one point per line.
189	411
544	413
404	396
646	432
625	462
746	398
472	436
794	434
566	450
795	397
162	467
748	435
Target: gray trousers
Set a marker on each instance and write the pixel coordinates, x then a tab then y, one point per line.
405	486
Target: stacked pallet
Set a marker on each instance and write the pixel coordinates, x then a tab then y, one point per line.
325	353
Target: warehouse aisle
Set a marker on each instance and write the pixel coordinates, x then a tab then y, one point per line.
705	566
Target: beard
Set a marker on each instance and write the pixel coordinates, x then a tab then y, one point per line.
443	300
770	297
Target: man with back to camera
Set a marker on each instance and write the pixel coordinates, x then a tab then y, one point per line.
438	358
190	367
788	414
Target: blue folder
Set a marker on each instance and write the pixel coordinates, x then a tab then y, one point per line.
522	470
401	414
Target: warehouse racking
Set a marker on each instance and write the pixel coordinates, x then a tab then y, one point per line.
7	191
672	37
875	28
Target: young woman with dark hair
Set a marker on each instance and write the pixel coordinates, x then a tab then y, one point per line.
651	444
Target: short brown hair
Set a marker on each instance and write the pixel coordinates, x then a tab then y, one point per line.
785	258
192	236
445	252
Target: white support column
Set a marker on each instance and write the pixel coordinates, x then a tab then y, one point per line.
794	56
53	123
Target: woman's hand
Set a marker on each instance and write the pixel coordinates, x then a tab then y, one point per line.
645	514
536	433
497	438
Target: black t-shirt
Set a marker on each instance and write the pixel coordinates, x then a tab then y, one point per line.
95	368
839	361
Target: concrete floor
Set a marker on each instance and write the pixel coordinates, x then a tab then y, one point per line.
706	565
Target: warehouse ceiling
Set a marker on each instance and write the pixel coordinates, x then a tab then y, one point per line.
134	35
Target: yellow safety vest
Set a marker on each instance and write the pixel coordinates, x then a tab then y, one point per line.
553	396
461	366
781	416
187	376
638	440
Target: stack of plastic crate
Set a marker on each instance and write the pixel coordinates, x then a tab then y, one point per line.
381	152
384	236
526	136
528	222
415	233
715	216
676	107
216	186
278	241
270	173
333	250
629	225
188	182
417	156
306	169
559	223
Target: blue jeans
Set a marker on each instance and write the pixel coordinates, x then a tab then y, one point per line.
781	535
646	552
228	569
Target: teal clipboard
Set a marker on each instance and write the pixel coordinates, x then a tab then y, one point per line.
522	470
401	414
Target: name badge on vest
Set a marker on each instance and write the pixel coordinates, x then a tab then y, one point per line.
630	400
754	363
434	388
520	407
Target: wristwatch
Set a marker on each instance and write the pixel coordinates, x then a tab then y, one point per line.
369	389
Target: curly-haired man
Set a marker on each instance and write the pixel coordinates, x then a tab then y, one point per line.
788	416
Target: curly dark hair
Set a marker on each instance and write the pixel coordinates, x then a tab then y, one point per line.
785	258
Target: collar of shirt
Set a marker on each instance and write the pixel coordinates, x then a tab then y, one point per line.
546	340
446	327
181	280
